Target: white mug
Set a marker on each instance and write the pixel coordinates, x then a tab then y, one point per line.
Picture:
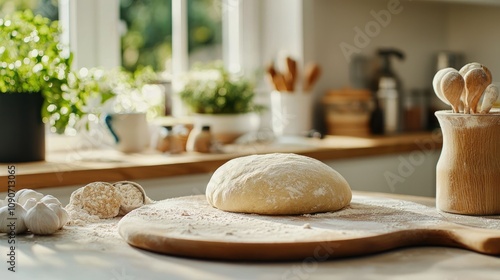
130	131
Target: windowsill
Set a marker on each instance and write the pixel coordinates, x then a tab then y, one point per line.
72	167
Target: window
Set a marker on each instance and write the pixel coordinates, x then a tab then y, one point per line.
147	33
147	37
170	35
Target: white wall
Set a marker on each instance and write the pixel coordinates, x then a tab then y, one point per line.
475	30
421	29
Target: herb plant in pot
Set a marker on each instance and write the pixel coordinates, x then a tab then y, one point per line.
222	101
33	68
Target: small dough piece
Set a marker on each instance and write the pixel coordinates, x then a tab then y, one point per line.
133	196
277	184
76	198
101	199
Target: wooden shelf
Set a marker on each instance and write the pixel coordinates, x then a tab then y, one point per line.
70	167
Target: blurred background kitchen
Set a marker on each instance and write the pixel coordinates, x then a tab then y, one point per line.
375	60
344	37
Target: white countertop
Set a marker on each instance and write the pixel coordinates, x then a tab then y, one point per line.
96	251
54	260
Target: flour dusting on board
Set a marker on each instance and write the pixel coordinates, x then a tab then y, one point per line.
193	218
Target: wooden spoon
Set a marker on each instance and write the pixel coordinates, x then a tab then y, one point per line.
488	74
291	75
474	65
452	87
271	72
476	81
490	96
469	66
436	83
276	78
312	75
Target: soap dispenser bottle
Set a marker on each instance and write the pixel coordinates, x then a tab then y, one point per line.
388	95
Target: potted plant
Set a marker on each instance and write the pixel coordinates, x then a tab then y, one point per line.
37	86
223	101
33	69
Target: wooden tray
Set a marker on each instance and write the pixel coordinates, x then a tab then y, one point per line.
190	227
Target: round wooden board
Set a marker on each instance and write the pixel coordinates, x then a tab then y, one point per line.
190	227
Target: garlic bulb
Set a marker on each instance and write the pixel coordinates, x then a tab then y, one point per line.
12	220
49	199
25	194
30	203
42	220
61	213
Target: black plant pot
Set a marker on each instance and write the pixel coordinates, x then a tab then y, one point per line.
22	132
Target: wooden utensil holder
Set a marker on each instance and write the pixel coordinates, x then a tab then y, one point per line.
468	170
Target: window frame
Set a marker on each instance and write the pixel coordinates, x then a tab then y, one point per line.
91	30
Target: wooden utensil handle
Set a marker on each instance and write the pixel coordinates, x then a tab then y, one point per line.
486	241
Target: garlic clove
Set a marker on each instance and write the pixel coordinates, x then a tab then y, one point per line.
12	218
61	213
63	217
30	203
42	220
49	199
23	195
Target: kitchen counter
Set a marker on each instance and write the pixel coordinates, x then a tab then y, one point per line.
96	251
65	166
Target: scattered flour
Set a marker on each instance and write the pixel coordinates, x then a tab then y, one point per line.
193	218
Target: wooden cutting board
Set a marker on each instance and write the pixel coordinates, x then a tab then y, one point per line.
190	227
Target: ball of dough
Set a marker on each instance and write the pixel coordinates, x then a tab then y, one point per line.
277	184
101	199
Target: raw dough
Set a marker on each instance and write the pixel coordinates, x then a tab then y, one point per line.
101	199
133	196
277	184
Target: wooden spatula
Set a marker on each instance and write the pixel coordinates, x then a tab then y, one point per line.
452	87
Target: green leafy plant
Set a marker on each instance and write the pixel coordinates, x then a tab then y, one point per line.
96	91
216	91
32	60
